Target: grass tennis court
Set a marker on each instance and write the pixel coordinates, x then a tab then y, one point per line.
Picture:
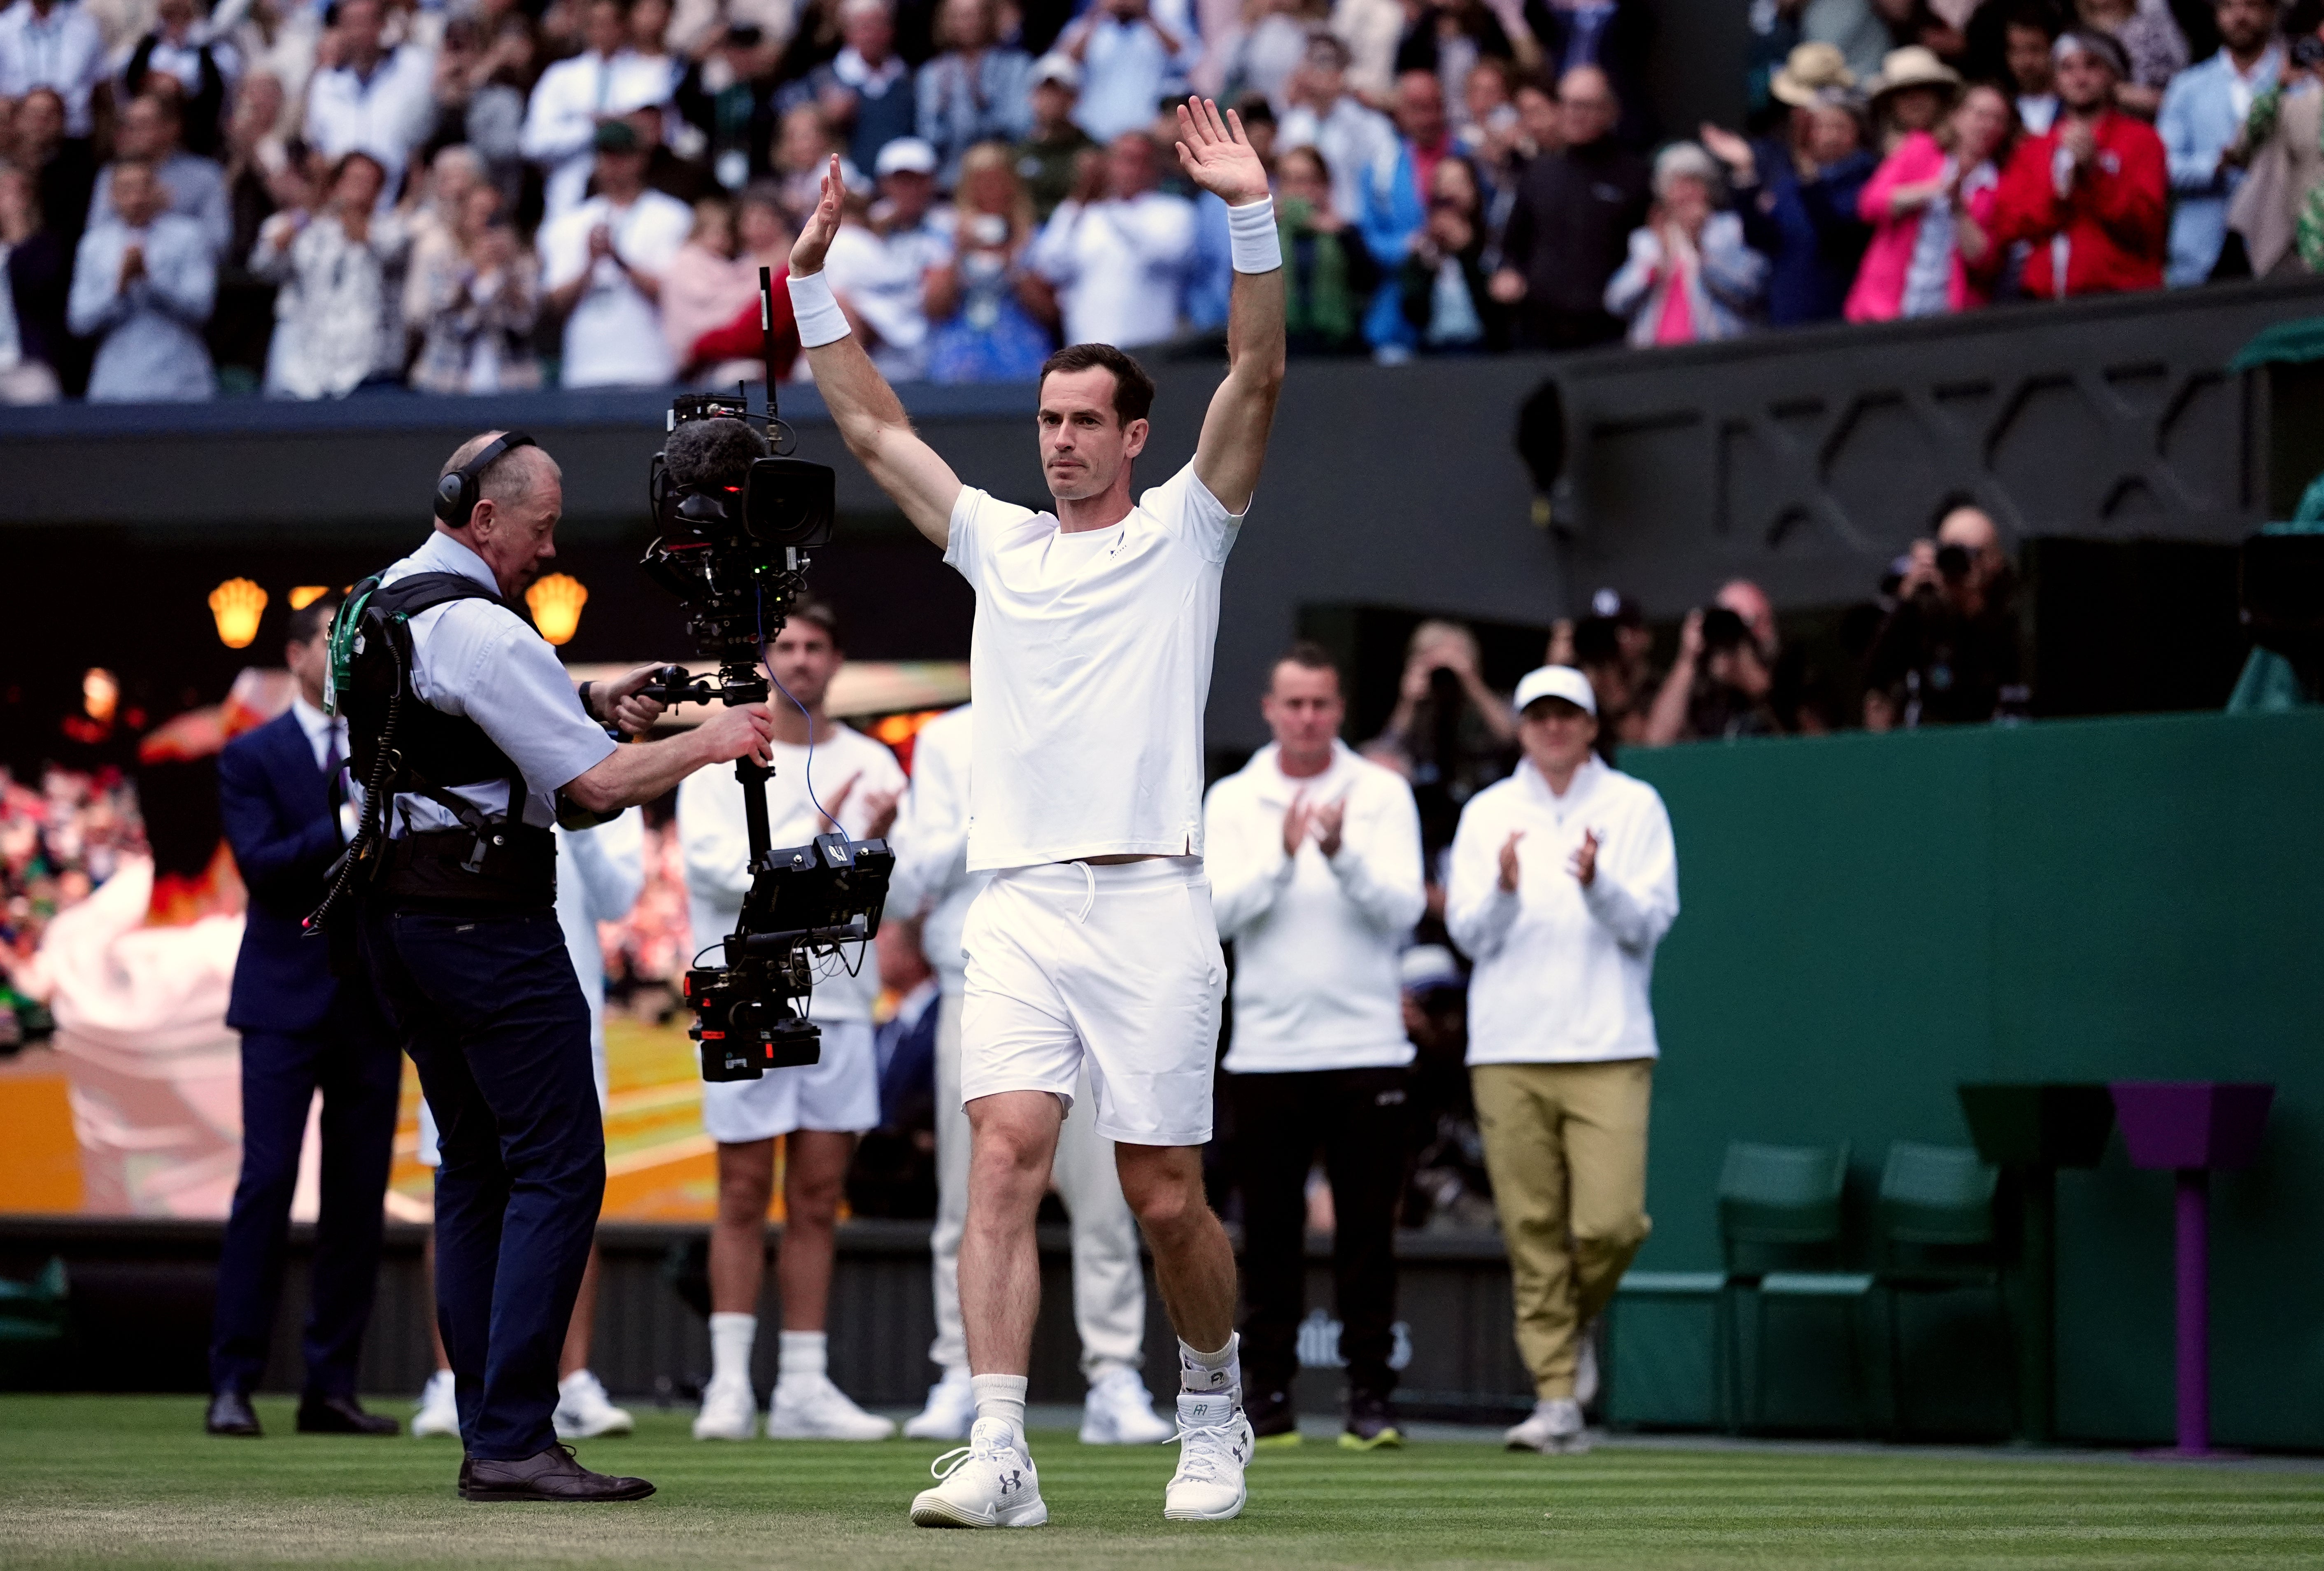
115	1480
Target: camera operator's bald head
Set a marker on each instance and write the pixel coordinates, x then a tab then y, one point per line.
520	497
510	478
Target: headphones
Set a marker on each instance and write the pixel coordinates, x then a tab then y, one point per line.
457	494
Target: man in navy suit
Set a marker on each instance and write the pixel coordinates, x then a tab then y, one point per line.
302	1031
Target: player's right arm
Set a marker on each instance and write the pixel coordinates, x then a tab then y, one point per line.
869	416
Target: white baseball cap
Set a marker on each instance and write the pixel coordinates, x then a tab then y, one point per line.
906	155
1057	68
1556	682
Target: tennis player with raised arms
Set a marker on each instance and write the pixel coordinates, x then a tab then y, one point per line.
1094	941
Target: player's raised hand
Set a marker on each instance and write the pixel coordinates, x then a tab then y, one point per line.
815	235
1217	156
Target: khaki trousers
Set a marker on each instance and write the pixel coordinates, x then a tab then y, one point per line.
1566	1145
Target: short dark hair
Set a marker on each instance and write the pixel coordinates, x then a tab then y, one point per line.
1307	655
1133	389
310	619
712	452
822	615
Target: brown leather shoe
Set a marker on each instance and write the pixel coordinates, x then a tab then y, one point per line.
552	1476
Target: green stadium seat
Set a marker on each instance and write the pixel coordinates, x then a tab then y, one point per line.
1781	1229
1666	1352
1935	1235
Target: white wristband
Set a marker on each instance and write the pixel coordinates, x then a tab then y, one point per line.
1250	234
816	311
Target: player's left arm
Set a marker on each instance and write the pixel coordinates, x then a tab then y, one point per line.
1218	157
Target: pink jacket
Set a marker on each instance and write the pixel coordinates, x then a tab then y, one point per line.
1878	295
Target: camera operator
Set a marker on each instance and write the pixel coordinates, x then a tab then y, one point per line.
1948	653
465	951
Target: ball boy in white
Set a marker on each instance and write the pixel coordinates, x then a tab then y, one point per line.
1093	948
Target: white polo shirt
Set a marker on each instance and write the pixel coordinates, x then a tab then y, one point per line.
1092	655
1316	936
614	339
716	841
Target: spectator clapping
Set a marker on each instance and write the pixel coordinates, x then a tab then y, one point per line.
143	282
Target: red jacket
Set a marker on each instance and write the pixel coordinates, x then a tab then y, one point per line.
2111	228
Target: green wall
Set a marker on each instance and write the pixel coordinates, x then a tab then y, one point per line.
1869	921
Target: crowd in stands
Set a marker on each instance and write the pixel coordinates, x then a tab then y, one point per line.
313	199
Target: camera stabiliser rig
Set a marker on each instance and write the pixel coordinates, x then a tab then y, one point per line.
736	557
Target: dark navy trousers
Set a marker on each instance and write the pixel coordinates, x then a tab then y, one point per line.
354	1063
489	1010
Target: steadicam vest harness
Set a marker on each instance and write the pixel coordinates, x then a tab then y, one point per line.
403	746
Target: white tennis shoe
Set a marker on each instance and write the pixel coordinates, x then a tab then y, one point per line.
730	1412
989	1483
1120	1411
1553	1428
951	1409
808	1407
439	1410
584	1410
1214	1446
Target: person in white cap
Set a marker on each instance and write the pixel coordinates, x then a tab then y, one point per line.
879	260
1565	879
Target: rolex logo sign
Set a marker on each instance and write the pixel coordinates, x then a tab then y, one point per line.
555	602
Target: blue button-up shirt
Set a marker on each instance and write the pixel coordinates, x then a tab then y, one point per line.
2202	112
152	329
480	659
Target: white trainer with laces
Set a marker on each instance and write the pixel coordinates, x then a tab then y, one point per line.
440	1411
1120	1411
584	1410
1214	1447
808	1407
989	1483
730	1412
1553	1428
951	1409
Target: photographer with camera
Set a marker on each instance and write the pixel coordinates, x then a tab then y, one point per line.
826	777
467	736
1950	652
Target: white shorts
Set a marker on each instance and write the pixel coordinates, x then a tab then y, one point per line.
839	1092
1115	969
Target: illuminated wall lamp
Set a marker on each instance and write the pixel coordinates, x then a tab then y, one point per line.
555	602
236	605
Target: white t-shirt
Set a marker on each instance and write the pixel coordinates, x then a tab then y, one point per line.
1092	663
614	339
715	842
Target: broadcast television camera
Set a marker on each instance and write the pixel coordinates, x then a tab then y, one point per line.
736	554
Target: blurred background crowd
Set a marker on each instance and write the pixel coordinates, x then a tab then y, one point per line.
474	195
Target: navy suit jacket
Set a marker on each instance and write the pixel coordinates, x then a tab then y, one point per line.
285	835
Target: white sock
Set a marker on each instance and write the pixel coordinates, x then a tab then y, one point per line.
731	1336
1000	1396
1205	1372
804	1356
